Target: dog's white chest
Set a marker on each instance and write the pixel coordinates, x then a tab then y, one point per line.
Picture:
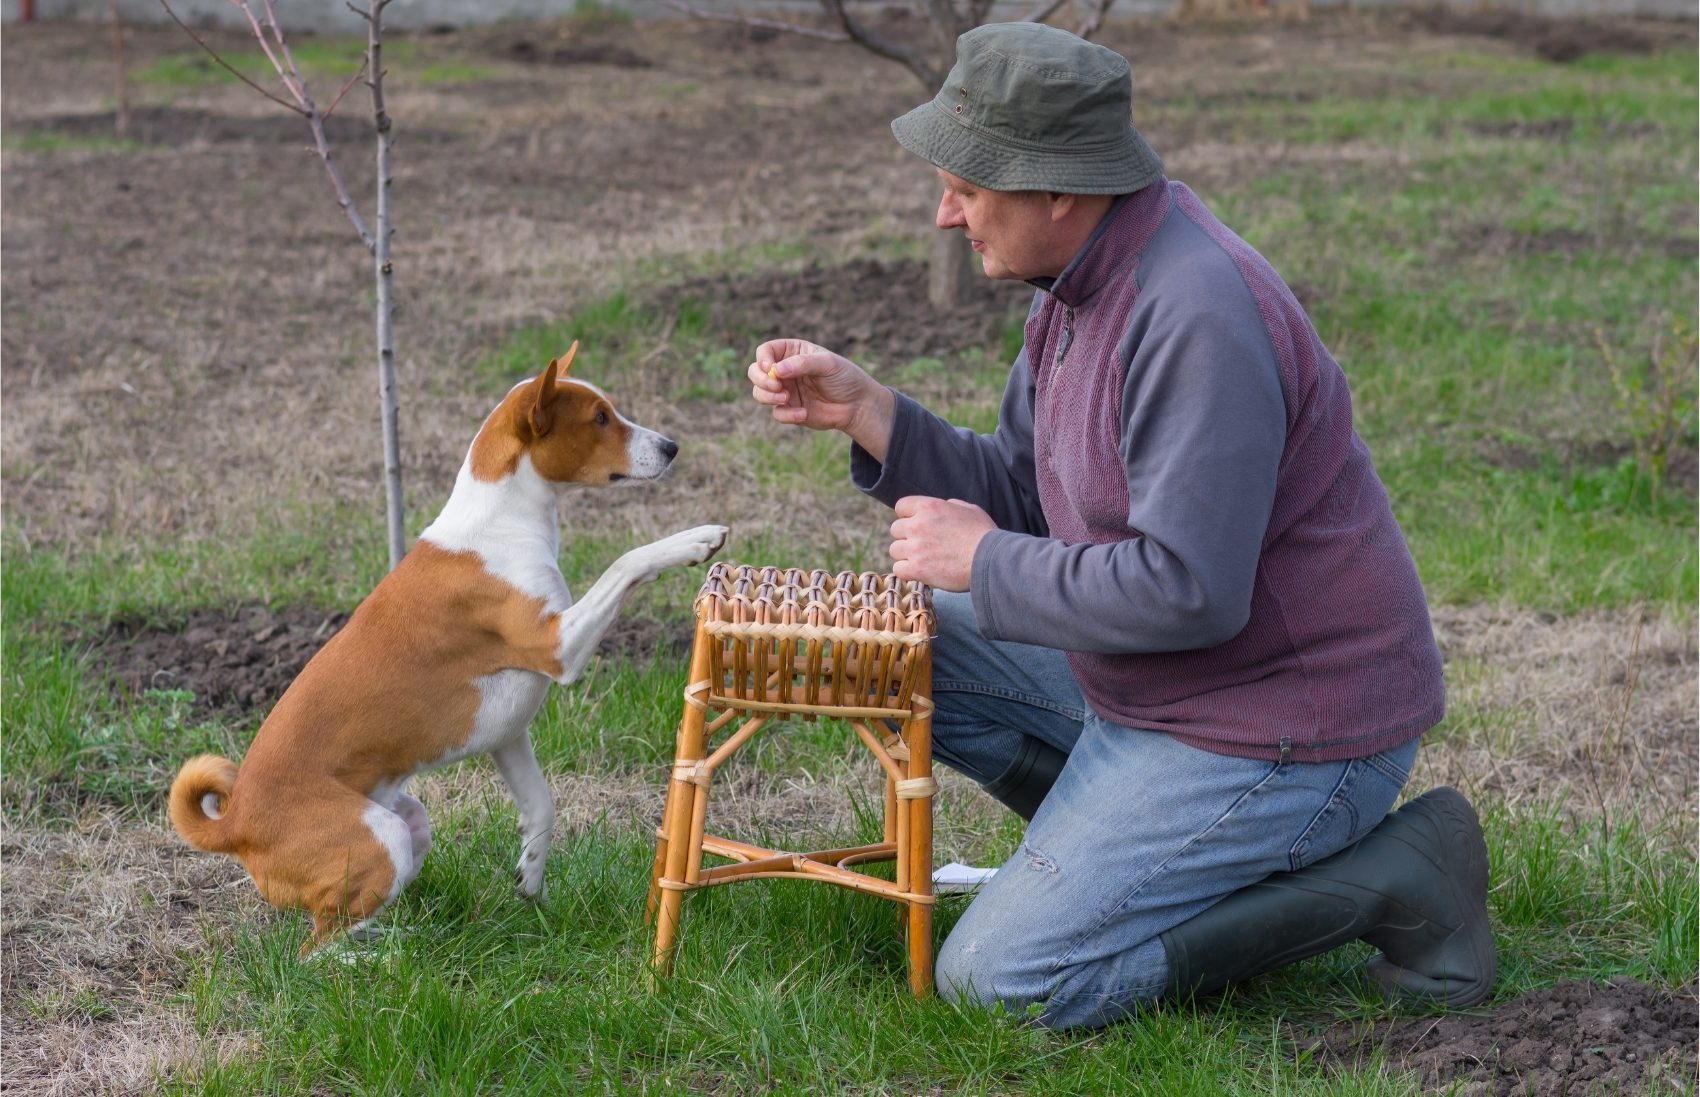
510	700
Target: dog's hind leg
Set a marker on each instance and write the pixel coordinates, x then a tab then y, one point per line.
517	763
412	813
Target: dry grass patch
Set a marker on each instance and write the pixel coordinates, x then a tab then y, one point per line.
1597	710
101	921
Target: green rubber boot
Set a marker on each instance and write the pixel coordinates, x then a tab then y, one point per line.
1025	782
1415	887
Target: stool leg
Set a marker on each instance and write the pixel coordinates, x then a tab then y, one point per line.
921	842
661	846
681	799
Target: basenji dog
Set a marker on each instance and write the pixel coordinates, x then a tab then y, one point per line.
449	657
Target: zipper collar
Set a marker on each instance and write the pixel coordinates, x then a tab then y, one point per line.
1120	236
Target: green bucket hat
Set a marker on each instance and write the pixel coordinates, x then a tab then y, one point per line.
1031	107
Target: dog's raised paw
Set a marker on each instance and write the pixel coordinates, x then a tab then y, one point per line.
691	546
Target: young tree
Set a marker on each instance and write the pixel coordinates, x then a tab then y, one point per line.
276	49
120	77
950	267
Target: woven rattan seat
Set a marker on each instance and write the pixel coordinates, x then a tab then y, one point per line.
772	644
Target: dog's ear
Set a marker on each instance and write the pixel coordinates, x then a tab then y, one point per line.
544	391
565	362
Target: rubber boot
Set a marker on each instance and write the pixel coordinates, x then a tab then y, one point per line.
1415	887
1023	784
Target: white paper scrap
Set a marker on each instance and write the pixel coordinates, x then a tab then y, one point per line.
954	878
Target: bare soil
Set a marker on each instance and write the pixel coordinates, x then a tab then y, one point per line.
867	309
1553	39
242	660
1574	1040
187	346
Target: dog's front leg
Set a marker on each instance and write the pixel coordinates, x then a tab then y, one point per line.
582	627
517	763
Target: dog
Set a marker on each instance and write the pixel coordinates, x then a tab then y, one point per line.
448	658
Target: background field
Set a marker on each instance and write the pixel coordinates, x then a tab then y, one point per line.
1479	234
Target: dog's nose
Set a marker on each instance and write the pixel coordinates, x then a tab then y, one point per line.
669	448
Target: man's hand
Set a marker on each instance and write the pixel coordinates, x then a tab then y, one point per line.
933	540
808	385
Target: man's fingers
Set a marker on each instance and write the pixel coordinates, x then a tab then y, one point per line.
762	379
809	364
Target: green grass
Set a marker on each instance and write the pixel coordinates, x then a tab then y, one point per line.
323	58
39	141
780	987
1457	353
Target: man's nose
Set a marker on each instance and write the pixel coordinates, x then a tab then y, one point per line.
950	214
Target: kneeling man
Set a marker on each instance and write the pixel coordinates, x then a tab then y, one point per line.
1190	645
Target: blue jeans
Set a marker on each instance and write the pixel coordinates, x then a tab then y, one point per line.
1139	833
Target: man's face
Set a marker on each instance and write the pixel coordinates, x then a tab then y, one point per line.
1012	230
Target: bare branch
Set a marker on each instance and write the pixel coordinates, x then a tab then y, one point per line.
199	41
946	26
1094	19
977	12
753	21
1043	12
885	47
352	80
296	88
322	146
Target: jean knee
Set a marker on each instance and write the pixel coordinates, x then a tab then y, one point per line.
974	971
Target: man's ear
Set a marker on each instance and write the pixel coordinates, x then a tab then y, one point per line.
1061	205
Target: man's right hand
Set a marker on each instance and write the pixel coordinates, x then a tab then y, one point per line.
808	385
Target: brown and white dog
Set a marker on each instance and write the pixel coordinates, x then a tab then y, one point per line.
449	657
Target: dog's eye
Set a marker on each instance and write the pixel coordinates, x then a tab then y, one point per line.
601	418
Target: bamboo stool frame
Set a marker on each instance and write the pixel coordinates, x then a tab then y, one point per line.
775	643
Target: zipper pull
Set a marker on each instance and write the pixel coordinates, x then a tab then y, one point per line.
1067	333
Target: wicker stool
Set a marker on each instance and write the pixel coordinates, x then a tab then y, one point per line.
772	644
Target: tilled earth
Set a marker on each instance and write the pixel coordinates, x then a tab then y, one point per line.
241	660
866	309
1573	1039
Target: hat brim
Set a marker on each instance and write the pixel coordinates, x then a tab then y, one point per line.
995	163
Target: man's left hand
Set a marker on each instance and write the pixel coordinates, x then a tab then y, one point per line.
933	540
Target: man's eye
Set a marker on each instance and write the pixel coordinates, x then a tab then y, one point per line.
601	418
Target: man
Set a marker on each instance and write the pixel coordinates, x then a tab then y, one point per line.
1191	646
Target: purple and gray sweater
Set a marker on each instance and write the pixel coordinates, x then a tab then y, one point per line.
1183	505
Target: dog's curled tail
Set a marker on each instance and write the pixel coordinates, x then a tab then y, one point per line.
200	801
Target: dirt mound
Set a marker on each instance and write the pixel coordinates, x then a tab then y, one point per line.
1554	39
863	308
1574	1039
236	662
174	128
578	53
229	661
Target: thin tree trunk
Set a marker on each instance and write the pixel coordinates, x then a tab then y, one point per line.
950	269
386	297
122	122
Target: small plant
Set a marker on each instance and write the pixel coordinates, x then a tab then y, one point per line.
1658	403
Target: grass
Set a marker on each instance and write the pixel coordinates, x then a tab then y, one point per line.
1485	401
327	58
39	141
780	988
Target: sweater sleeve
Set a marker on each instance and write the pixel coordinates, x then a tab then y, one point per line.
929	456
1203	429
